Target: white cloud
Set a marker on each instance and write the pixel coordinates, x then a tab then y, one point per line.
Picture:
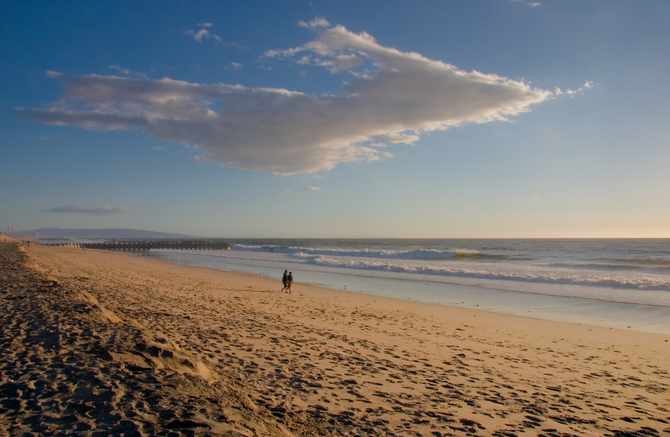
345	62
308	188
397	138
587	85
531	4
315	23
119	69
89	209
203	33
395	97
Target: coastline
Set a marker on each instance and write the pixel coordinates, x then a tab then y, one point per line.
534	304
318	361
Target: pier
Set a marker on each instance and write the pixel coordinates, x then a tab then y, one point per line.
147	245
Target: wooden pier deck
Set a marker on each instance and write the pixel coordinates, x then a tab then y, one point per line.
158	244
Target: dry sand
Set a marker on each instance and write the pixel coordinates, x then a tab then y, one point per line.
104	343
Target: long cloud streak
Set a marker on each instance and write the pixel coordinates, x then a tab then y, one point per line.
89	209
393	97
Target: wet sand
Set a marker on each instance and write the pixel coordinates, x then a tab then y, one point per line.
97	343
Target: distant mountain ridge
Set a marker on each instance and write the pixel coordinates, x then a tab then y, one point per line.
103	233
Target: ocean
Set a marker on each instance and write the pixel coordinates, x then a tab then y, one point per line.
618	283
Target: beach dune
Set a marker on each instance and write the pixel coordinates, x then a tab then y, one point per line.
97	343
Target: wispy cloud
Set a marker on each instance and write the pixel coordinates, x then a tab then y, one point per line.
127	72
203	33
313	189
397	138
316	23
528	3
89	209
119	69
390	96
587	85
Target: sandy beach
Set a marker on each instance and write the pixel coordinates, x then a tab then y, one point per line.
105	343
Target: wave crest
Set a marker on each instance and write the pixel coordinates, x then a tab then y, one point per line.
419	254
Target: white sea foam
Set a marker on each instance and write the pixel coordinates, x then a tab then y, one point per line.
384	254
368	253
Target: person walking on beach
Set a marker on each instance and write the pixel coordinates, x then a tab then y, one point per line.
290	281
284	280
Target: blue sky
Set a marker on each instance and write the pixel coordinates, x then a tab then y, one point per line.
441	119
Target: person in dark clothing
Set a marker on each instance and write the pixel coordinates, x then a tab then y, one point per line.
290	281
284	280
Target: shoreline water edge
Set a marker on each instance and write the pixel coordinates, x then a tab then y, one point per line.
621	284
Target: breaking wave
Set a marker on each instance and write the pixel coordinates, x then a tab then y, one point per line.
419	254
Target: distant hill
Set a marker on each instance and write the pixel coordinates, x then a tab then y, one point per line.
103	233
